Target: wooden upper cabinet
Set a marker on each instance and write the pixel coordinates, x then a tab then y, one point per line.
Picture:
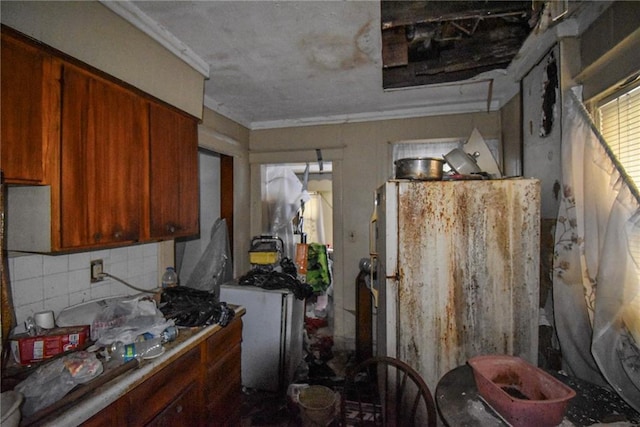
111	165
30	90
104	161
173	173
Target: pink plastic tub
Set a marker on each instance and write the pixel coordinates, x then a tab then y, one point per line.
521	393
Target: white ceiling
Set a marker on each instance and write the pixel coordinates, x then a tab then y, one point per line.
287	63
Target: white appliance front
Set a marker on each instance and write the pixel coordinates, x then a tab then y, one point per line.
272	334
458	271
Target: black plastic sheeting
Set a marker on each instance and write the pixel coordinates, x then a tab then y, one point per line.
267	277
193	307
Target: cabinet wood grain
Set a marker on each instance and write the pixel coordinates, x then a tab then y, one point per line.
29	87
173	181
103	161
122	166
164	389
114	415
183	408
200	388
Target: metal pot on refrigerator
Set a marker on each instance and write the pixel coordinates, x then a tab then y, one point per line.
420	168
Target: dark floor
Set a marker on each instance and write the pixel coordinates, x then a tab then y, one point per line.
264	408
261	408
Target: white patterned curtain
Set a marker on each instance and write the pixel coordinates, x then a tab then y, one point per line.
314	219
596	275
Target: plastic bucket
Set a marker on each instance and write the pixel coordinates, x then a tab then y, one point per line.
317	405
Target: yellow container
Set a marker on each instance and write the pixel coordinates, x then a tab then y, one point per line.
263	258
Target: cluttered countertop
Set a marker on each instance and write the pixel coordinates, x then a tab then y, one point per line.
108	375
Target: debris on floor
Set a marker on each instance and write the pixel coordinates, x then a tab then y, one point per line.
265	408
321	365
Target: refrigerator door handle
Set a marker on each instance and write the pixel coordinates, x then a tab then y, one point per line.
372	230
373	259
373	254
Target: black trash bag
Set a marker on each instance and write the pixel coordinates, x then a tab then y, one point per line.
267	277
193	307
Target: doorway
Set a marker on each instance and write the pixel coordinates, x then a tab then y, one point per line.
314	216
312	224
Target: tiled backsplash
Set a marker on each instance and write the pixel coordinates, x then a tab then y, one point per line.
42	282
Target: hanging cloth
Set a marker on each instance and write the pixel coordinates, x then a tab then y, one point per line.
596	279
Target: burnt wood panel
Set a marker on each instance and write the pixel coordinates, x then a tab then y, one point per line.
450	41
394	47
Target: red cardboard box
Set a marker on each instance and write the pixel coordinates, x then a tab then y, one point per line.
28	349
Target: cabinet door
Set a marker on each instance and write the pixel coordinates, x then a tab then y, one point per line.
222	378
174	194
173	393
114	415
103	161
28	89
184	410
223	388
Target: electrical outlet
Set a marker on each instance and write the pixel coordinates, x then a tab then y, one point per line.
96	271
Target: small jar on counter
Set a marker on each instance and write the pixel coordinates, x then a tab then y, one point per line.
169	278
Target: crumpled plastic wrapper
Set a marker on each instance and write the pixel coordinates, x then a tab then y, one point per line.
52	381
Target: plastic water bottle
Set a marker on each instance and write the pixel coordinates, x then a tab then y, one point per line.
169	278
137	350
169	334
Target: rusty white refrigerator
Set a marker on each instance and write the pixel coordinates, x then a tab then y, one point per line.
457	271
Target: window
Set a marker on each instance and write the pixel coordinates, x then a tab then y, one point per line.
619	121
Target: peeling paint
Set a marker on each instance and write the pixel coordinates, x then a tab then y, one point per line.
550	83
556	189
367	42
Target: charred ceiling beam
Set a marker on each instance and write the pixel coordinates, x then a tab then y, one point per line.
403	13
394	47
421	75
427	42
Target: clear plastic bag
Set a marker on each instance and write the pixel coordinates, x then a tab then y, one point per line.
52	381
126	319
215	265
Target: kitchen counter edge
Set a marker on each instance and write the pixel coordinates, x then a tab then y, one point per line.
108	393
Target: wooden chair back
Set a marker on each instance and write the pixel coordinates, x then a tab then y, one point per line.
383	391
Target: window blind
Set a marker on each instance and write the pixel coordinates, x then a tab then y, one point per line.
620	126
619	121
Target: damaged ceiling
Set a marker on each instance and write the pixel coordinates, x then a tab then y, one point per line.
429	42
272	64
